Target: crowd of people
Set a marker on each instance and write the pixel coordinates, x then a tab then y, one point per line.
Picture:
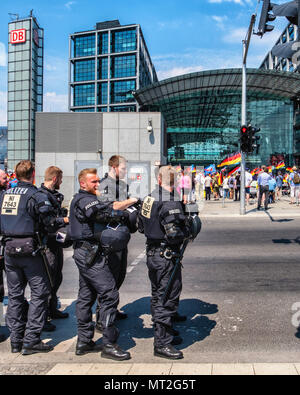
194	186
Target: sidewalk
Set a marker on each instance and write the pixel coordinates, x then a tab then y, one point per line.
231	209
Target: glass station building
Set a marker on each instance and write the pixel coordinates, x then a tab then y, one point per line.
25	87
106	65
203	114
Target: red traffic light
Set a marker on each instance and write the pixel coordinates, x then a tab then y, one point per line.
244	129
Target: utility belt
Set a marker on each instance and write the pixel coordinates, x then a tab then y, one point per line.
18	247
165	251
93	250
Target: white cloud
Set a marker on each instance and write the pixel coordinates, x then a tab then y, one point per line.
3	55
176	71
240	2
3	108
69	4
55	103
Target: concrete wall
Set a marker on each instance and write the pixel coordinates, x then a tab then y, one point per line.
123	134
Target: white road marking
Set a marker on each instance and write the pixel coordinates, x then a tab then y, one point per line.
136	261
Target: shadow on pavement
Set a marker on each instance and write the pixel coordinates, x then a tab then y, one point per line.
195	329
287	241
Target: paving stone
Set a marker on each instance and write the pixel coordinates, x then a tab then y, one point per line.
276	369
232	369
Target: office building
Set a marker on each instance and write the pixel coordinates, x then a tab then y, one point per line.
106	65
25	87
3	146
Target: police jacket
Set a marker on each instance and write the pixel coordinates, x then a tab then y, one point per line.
26	210
56	199
85	211
162	218
112	190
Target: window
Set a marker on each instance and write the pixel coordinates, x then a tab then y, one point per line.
84	70
84	46
102	93
124	66
103	69
84	95
121	91
124	41
103	43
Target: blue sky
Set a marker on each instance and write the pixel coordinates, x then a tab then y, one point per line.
182	36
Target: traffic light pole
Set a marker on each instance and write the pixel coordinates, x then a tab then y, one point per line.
246	44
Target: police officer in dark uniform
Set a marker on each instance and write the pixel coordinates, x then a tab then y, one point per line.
163	222
50	187
26	212
3	187
95	276
113	189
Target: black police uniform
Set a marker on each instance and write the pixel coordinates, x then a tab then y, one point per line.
162	220
55	252
25	211
112	190
2	190
85	211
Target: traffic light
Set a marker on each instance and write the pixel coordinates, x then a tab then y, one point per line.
266	17
254	140
244	139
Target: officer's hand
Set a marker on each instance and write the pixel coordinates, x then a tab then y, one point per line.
66	220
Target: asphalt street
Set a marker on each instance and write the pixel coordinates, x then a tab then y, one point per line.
241	294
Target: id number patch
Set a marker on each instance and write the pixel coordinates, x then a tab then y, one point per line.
10	204
147	207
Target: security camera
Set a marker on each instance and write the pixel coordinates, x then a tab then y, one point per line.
150	127
99	151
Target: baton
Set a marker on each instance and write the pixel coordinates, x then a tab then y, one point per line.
41	249
174	272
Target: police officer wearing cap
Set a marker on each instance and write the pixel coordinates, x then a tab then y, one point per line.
26	215
50	187
113	189
163	221
3	187
95	275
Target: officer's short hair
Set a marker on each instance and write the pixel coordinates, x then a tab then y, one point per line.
167	174
85	172
52	172
115	161
24	170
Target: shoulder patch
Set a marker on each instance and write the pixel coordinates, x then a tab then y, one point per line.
147	207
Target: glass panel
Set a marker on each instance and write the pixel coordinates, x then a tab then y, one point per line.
84	46
124	41
121	91
84	95
123	66
84	70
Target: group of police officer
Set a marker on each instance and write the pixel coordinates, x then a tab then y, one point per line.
35	228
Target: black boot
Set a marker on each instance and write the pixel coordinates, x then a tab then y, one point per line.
85	348
41	347
49	327
168	352
179	318
176	340
16	347
113	351
58	315
121	316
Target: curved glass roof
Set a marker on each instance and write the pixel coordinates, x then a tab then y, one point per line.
260	82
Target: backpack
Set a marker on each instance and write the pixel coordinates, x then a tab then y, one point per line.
296	179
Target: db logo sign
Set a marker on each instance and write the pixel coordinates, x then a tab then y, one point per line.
18	36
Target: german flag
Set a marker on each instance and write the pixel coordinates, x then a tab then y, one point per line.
290	169
280	165
232	160
234	171
255	171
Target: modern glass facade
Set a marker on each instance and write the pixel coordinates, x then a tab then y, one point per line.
108	64
3	146
25	87
203	114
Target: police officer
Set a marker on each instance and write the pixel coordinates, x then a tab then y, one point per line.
113	189
50	187
24	212
162	220
3	187
95	276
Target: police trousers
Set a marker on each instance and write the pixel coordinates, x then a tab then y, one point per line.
55	257
97	280
21	271
160	270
